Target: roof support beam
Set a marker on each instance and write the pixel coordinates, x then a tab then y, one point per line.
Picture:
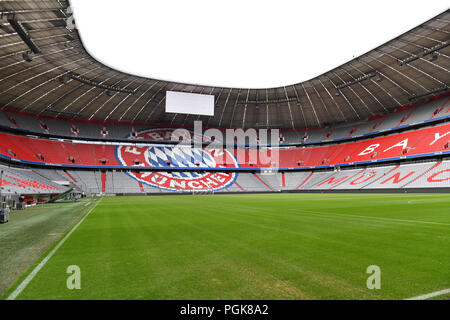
122	101
289	105
357	95
159	103
245	108
300	106
312	105
368	91
332	98
346	99
383	74
98	96
50	106
395	70
320	98
57	87
225	106
135	101
420	55
82	95
18	27
215	104
148	101
433	91
234	108
377	83
274	101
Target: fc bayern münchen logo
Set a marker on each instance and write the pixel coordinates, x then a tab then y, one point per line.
177	156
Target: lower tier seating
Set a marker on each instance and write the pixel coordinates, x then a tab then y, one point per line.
433	174
27	181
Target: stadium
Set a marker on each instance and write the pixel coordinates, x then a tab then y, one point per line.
118	186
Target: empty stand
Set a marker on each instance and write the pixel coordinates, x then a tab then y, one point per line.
406	176
25	181
407	144
434	109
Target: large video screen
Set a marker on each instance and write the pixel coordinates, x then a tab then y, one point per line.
189	103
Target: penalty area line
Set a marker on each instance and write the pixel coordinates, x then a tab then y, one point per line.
33	273
430	295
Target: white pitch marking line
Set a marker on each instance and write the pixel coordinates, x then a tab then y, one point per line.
371	217
33	273
430	295
87	204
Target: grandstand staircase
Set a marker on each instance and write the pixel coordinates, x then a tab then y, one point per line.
70	177
305	181
141	187
440	109
239	186
273	180
59	196
403	120
103	178
263	182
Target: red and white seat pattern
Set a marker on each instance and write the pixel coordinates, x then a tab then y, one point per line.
435	108
22	181
425	175
432	140
417	175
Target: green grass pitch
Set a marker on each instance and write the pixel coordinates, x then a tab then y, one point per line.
253	246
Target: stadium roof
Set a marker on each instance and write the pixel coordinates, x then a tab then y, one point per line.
44	69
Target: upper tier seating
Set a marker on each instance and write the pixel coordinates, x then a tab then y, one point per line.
431	140
434	109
